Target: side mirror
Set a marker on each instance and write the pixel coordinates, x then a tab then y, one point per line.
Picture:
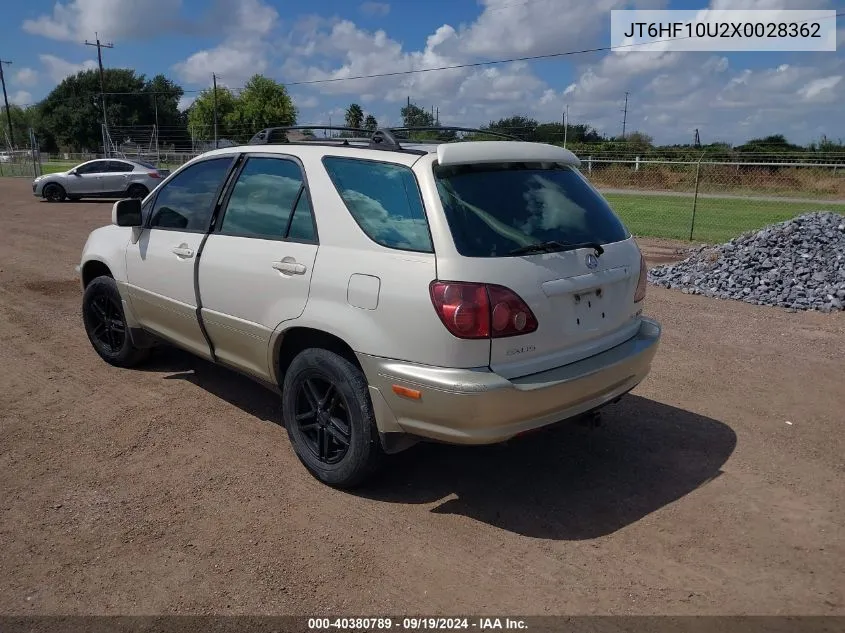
126	212
73	172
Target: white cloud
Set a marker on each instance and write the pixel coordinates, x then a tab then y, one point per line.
185	102
820	90
26	77
58	68
742	5
243	53
21	98
375	8
77	20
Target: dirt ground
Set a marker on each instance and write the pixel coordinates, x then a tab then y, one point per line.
717	487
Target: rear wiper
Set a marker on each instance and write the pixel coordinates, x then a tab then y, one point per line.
556	247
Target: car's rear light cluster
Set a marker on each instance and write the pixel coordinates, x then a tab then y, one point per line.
154	174
475	310
642	282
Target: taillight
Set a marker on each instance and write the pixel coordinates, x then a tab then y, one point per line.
639	294
473	310
154	174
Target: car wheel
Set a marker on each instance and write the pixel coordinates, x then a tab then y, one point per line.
329	418
137	191
105	324
54	192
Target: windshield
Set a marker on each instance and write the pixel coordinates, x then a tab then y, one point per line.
494	209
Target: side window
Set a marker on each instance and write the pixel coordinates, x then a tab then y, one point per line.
97	167
186	202
302	224
116	166
263	198
384	200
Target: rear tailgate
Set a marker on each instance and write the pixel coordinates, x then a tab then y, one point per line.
582	298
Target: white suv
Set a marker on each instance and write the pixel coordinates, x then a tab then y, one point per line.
465	292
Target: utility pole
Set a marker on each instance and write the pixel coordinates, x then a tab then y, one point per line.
100	48
214	97
625	115
6	101
565	124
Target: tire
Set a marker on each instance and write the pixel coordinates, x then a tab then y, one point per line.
320	381
54	192
105	324
137	191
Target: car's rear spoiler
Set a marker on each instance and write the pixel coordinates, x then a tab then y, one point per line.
475	152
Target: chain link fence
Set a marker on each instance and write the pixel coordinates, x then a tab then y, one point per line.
19	163
702	200
714	201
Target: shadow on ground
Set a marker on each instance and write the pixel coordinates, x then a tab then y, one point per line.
569	482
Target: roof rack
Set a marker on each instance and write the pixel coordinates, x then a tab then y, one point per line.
280	134
382	138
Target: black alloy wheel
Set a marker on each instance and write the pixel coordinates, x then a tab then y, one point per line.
106	322
322	416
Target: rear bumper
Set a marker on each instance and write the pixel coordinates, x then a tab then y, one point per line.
477	406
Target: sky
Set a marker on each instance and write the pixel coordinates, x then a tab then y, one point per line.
728	97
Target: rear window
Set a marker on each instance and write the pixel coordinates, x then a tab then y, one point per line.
493	209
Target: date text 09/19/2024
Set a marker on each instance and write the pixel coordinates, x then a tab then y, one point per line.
416	624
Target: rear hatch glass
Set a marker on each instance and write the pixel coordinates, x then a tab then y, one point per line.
581	296
494	209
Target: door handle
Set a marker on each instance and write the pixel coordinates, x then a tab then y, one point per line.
290	268
183	251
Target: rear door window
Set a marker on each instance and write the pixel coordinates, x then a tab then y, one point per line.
264	198
493	209
119	167
384	200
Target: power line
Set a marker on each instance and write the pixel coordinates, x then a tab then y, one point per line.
452	66
528	58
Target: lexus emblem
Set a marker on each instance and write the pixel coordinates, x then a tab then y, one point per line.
592	261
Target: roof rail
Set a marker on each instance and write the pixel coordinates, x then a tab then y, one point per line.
280	134
452	128
382	138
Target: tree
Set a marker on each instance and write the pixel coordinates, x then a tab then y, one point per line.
354	116
262	103
22	120
71	115
768	145
201	114
415	116
516	125
165	95
638	142
370	123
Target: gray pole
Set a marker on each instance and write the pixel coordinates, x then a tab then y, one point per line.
565	124
624	116
214	80
6	101
100	48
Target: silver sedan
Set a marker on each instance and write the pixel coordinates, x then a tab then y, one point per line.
102	178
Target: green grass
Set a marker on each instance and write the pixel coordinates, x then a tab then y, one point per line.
716	219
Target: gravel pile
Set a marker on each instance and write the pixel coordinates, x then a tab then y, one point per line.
798	264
